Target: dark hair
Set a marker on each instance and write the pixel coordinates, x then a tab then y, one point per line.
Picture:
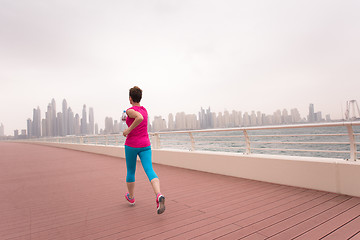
136	94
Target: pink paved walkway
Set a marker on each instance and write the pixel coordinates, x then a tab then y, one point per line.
52	193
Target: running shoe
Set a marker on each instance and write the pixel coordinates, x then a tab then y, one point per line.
160	202
130	200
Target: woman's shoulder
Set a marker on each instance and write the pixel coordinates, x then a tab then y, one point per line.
138	108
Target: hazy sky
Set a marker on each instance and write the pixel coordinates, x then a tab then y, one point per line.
260	55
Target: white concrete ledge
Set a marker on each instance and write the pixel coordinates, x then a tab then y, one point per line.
325	174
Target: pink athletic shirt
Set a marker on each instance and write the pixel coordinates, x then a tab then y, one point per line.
138	137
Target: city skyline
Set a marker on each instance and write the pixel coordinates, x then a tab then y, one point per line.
242	55
207	119
66	123
59	123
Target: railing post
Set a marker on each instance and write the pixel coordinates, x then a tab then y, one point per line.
192	141
156	141
247	142
352	143
106	140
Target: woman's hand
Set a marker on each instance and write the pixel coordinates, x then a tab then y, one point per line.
126	132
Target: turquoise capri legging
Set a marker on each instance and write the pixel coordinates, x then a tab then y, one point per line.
145	157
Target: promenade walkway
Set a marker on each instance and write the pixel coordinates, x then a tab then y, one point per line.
52	193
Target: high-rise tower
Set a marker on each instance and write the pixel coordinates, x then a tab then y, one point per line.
53	118
35	130
91	121
311	117
2	130
84	121
65	119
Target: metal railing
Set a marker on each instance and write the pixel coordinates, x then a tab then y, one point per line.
335	140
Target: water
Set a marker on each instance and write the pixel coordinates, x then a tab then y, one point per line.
309	139
261	141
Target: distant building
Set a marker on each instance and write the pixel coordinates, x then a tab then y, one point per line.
2	130
109	125
246	119
311	116
77	126
327	118
158	124
96	129
259	118
191	122
205	119
59	124
83	130
29	128
91	121
277	117
295	115
180	121
318	117
35	129
253	119
171	123
54	131
71	122
65	120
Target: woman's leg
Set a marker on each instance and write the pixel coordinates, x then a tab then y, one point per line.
131	188
145	157
131	155
155	183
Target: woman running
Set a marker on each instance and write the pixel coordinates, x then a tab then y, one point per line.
137	143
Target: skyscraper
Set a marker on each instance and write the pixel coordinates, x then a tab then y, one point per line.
53	118
83	130
2	130
91	121
259	118
311	117
65	119
48	117
71	122
35	130
246	119
158	124
109	125
205	118
253	121
29	128
96	129
59	123
171	125
77	126
180	121
43	127
295	115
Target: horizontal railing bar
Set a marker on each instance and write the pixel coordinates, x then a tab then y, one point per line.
199	137
299	150
176	140
325	143
316	125
300	135
217	142
214	147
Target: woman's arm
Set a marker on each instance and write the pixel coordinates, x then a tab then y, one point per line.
138	119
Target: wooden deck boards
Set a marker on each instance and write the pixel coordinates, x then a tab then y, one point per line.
52	193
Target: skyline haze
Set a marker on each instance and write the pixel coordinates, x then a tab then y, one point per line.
229	55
